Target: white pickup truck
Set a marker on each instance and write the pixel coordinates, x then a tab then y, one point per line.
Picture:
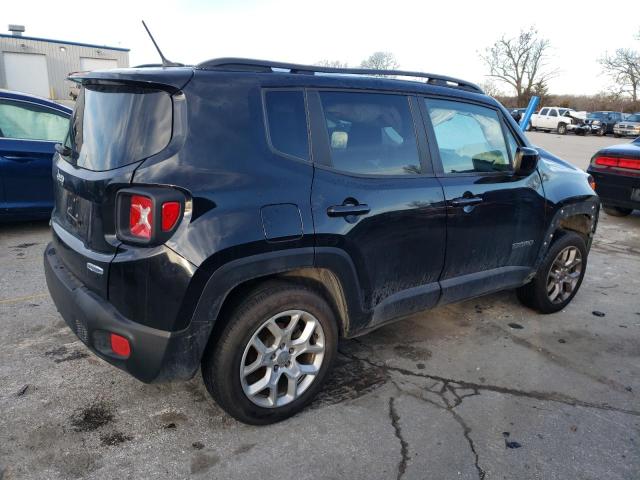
555	119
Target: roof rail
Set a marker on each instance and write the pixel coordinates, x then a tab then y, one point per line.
252	65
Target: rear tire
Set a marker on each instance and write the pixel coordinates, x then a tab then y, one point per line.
617	211
248	340
559	277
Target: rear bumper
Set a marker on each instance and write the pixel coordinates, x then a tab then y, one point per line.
156	355
617	190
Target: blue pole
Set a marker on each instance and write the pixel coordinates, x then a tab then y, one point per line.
533	104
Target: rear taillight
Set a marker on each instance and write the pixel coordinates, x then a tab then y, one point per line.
170	215
629	163
148	215
141	216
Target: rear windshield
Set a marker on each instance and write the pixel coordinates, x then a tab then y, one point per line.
114	126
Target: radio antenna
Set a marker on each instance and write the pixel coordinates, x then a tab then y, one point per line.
165	62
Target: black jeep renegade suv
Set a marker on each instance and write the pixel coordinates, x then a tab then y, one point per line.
243	216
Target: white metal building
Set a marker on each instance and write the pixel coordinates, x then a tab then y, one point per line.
40	66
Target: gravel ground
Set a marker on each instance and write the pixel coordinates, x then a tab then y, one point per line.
482	389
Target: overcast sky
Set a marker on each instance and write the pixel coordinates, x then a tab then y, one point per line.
438	37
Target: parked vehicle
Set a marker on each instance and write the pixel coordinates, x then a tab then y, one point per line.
29	129
630	126
616	171
244	215
606	120
552	119
517	114
581	125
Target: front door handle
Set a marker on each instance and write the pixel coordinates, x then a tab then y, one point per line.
347	210
466	201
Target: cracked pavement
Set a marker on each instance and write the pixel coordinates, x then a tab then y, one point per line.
453	393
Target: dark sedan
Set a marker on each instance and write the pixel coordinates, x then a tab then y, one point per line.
616	171
29	129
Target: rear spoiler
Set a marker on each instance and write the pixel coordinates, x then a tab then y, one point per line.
175	78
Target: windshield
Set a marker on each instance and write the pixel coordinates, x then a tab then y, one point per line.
596	115
565	110
113	126
633	118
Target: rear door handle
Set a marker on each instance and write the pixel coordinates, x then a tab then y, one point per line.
466	201
346	210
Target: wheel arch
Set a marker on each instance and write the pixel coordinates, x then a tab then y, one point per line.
230	283
580	216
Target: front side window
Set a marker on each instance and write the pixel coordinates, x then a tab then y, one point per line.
371	133
513	143
287	122
469	137
28	121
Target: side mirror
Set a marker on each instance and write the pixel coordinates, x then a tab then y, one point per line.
525	161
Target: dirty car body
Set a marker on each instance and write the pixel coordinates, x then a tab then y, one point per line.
355	188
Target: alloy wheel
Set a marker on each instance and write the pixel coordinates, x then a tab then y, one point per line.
564	274
282	358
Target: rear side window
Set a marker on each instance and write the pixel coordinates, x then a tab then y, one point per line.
371	133
470	137
287	122
553	113
28	121
114	126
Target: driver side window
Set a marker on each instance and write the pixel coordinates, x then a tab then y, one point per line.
469	137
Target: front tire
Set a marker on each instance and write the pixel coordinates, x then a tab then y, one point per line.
562	129
559	277
273	355
617	211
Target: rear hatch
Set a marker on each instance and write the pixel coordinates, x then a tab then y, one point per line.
119	121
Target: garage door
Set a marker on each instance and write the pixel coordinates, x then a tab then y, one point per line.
87	64
27	72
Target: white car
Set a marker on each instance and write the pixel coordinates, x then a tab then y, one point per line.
556	119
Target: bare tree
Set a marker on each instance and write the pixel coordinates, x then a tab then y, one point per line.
520	62
624	68
381	61
490	88
332	63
